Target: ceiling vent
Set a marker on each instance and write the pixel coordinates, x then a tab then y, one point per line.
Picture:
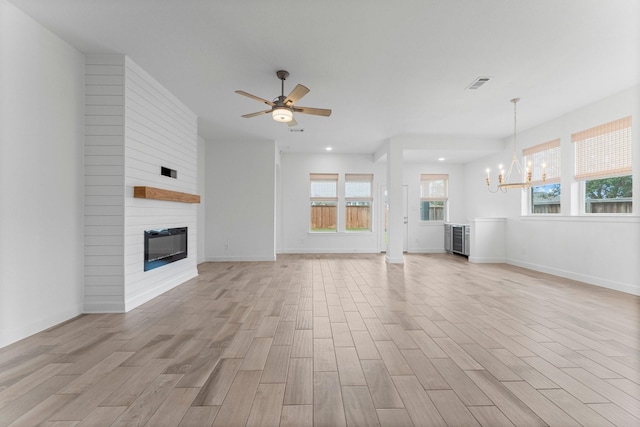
478	83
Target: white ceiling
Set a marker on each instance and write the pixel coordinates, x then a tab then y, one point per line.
385	68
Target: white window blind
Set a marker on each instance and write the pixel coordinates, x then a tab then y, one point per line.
547	154
324	186
358	187
603	151
433	187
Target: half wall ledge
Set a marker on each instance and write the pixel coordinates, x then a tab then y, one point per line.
168	195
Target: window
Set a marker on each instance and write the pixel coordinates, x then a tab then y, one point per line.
433	197
608	195
603	164
324	201
543	161
357	193
545	199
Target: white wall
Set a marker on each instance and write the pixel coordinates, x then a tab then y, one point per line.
480	202
104	183
295	171
424	236
41	177
241	196
278	207
601	250
159	131
134	126
202	147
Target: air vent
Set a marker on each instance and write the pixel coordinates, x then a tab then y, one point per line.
478	83
296	130
171	173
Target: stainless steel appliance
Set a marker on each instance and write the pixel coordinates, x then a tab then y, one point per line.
457	238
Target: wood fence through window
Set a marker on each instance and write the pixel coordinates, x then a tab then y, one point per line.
358	218
324	217
619	205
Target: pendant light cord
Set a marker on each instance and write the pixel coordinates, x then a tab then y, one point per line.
515	121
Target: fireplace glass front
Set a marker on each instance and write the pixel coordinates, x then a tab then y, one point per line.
164	246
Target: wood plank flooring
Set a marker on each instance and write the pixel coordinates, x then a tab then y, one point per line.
340	340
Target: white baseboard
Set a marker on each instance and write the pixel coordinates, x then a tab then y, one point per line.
239	258
426	251
592	280
328	251
159	289
103	307
11	335
394	260
486	260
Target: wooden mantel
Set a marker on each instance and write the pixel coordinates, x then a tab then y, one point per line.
160	194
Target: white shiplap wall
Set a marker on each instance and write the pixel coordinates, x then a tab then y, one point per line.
159	131
104	184
133	127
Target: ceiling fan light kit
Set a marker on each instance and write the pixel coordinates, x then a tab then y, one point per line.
282	107
282	114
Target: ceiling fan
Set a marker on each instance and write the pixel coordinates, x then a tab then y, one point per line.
283	107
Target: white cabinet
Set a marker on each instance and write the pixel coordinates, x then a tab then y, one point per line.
488	243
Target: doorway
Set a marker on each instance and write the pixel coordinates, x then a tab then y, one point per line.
382	243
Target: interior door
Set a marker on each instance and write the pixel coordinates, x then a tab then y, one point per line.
382	244
405	216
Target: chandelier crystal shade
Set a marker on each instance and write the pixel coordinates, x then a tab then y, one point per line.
521	175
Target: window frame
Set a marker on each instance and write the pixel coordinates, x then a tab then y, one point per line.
429	197
611	145
583	197
352	178
330	200
543	161
532	205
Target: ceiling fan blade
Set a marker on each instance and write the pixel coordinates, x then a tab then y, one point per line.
292	123
259	113
257	98
315	111
298	92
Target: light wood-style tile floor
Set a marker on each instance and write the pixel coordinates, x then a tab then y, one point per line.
340	340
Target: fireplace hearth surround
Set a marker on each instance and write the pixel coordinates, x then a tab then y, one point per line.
164	246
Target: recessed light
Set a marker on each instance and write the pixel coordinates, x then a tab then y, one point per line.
328	148
441	159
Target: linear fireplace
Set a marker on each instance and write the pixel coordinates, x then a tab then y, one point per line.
164	246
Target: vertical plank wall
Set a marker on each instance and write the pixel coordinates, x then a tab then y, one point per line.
104	184
133	127
159	131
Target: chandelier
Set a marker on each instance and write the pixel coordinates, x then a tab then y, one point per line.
522	176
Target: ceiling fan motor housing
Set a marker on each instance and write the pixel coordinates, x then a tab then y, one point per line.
282	74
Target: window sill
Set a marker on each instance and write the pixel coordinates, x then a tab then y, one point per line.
341	233
625	218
